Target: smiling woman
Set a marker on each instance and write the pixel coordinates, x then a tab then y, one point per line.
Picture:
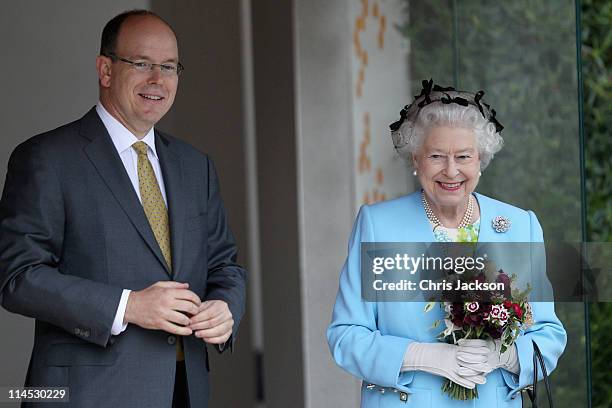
448	166
449	137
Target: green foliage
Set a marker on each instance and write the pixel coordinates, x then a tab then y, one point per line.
597	74
523	54
601	352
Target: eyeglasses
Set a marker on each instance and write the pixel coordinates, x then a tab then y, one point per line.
166	69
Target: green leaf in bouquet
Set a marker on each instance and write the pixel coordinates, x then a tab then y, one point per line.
520	296
429	306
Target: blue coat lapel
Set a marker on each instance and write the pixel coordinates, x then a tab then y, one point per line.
487	213
489	209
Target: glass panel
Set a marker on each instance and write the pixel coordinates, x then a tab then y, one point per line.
523	54
596	30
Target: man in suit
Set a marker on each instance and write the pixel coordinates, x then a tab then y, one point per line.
113	236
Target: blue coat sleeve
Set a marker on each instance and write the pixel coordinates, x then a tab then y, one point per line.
355	342
547	331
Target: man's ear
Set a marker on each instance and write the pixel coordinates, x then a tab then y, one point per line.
104	68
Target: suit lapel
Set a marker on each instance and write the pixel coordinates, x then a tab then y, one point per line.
172	171
103	155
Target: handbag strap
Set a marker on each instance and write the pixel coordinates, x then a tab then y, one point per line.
533	394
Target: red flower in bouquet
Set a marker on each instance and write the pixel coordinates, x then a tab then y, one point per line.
499	316
517	310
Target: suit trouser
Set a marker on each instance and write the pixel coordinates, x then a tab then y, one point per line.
180	398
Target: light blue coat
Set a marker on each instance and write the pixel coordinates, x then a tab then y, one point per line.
369	339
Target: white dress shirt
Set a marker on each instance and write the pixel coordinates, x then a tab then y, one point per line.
123	140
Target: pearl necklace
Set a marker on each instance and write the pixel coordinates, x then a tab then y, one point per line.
465	221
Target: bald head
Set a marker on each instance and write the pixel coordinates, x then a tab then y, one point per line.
110	33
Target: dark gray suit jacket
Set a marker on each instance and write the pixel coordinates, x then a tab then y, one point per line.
73	234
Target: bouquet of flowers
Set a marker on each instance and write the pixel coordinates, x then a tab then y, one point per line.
501	315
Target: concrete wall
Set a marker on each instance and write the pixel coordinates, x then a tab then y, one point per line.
303	111
273	65
325	183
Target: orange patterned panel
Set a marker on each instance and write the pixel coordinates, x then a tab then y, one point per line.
379	24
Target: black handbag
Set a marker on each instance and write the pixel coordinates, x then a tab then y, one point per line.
533	393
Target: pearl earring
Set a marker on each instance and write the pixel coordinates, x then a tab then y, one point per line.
479	173
414	173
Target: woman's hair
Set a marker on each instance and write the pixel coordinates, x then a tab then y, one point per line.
449	108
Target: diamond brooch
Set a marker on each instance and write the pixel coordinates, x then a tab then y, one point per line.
501	224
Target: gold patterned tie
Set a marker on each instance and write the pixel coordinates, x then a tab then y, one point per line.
153	201
156	211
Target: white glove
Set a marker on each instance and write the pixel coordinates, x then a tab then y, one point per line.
440	359
485	356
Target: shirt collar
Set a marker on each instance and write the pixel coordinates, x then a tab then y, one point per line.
122	138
